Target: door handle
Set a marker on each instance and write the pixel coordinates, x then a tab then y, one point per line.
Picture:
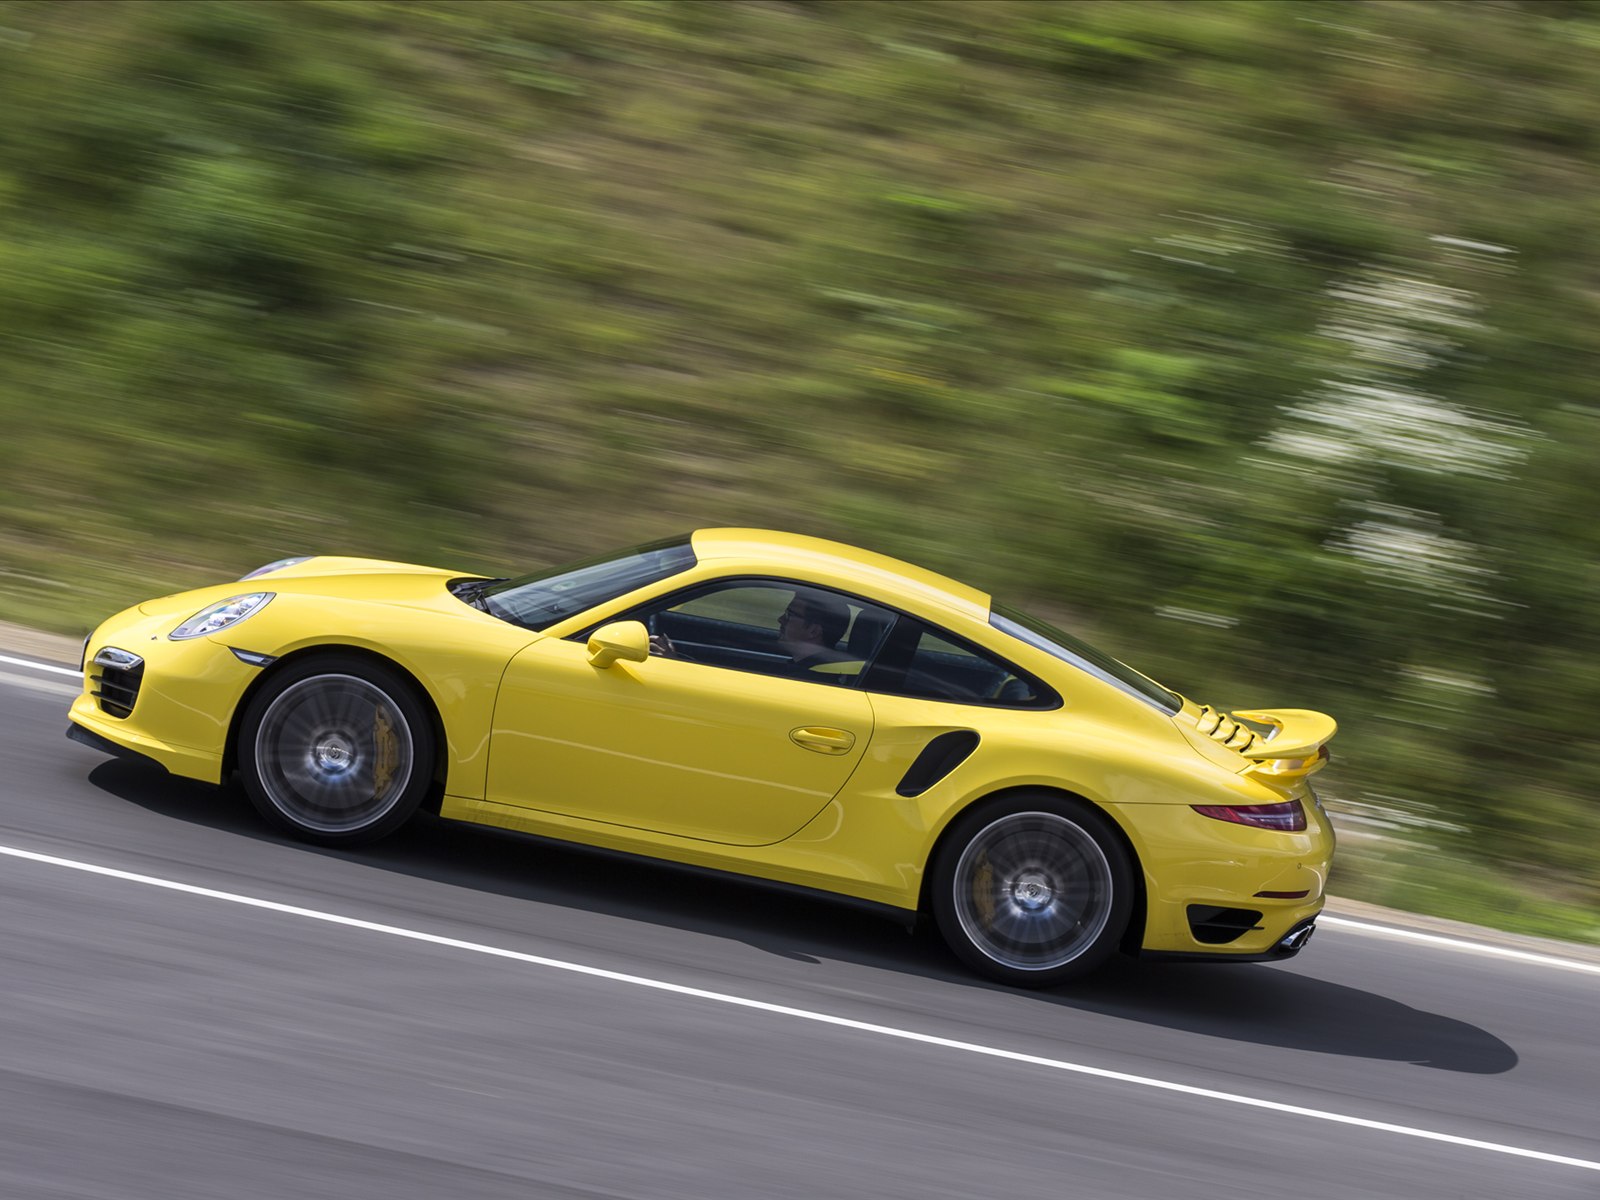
823	741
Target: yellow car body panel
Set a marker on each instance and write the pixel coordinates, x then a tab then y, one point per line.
777	778
646	745
184	707
396	612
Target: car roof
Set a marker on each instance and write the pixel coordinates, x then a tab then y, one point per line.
844	566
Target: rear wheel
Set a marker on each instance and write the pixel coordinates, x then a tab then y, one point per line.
336	750
1033	890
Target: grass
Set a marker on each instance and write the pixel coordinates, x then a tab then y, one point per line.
1456	888
1029	293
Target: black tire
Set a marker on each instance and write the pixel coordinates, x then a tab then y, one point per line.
336	750
1032	890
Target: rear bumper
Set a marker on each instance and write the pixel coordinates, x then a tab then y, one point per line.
1285	948
1218	891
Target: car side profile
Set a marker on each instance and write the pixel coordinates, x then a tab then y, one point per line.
767	704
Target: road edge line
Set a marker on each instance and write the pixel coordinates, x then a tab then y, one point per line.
801	1013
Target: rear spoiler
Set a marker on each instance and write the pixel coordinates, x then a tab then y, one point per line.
1295	744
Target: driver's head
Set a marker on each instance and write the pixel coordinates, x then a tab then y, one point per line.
813	618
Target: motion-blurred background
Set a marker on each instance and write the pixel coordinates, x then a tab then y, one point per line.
1254	341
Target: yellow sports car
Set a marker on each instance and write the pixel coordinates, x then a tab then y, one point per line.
760	703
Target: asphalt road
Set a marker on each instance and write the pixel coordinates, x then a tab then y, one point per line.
169	1044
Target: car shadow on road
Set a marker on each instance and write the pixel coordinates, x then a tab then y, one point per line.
1252	1003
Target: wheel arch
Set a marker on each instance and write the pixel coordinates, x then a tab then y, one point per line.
1133	938
230	757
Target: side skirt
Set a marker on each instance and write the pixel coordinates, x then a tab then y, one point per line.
905	917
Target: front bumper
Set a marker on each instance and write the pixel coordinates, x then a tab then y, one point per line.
185	702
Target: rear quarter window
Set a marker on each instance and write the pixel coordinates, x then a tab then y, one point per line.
927	663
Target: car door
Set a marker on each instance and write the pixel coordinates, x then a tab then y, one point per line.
736	754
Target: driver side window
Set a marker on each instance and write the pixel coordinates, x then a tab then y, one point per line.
771	627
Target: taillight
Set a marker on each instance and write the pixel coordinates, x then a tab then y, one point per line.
1288	817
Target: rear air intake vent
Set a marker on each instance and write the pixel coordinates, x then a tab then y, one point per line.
1220	727
938	758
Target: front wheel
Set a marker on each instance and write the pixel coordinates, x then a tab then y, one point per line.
1033	891
336	750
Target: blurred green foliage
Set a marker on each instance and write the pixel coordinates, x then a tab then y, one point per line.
1254	340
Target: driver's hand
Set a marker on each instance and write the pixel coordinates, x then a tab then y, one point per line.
661	644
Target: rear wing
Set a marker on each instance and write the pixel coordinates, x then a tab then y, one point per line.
1280	744
1294	745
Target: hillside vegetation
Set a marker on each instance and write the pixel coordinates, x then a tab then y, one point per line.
1255	340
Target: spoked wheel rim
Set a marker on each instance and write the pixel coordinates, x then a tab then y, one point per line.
1033	891
334	753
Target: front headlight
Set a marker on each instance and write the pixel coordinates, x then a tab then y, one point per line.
221	615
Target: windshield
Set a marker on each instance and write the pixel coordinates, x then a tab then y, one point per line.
1085	657
539	600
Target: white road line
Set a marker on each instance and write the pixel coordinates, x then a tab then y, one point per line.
1461	945
801	1013
22	662
32	683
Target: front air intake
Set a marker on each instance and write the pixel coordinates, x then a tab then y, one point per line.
115	682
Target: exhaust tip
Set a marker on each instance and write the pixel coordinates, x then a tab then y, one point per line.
1294	941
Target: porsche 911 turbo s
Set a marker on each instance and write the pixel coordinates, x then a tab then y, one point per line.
766	704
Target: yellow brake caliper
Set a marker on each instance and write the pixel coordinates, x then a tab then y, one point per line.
388	753
983	890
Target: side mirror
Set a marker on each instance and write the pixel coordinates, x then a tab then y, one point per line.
627	640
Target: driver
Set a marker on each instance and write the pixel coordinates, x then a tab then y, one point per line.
809	629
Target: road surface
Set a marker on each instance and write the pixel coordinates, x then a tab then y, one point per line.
191	1006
